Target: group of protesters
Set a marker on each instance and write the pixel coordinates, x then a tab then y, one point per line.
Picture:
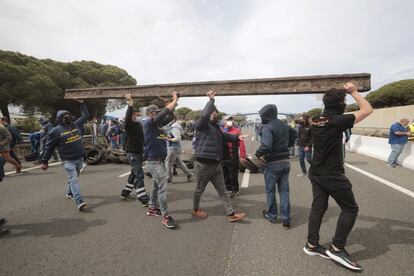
156	139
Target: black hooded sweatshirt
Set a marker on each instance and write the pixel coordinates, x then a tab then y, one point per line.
276	137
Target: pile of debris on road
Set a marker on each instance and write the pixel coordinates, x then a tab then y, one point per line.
102	153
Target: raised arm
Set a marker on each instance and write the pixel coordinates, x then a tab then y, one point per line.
84	114
365	108
130	110
165	116
204	120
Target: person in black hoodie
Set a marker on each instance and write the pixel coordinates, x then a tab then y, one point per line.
275	140
210	147
134	148
327	174
305	144
67	137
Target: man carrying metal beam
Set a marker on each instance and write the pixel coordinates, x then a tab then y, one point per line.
134	148
155	152
210	147
327	174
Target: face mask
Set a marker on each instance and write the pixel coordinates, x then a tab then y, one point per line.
138	119
67	120
335	109
229	124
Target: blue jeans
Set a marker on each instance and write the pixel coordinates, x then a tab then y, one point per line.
302	156
72	168
158	196
396	150
277	174
94	139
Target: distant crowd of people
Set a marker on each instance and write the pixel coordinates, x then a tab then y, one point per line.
218	150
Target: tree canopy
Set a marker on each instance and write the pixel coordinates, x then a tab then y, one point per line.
393	94
39	84
397	93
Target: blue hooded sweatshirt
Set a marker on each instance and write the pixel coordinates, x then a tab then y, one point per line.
68	139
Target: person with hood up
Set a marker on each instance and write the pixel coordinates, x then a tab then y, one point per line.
274	152
67	138
46	127
327	174
231	161
210	147
174	151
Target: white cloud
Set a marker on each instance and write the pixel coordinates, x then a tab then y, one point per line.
174	41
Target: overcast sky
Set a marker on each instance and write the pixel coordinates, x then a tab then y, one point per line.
174	41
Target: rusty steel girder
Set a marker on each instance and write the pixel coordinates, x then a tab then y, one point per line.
264	86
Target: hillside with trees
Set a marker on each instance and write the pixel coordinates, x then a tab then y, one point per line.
38	85
397	93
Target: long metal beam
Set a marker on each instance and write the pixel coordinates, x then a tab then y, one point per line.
266	86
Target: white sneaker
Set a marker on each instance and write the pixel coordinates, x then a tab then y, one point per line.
83	167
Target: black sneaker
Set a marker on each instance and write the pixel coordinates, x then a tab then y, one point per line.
266	215
169	180
4	232
189	177
125	195
342	257
144	204
2	220
69	196
154	212
82	206
286	225
318	250
169	222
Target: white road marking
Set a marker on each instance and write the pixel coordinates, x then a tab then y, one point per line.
381	180
245	181
34	168
124	174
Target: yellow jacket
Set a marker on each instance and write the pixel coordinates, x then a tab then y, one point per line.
411	130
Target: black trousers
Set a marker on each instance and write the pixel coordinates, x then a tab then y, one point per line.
231	174
340	189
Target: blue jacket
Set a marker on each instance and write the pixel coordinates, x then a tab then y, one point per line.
397	139
154	142
277	136
68	139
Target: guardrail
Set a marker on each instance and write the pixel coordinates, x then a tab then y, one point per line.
372	131
379	148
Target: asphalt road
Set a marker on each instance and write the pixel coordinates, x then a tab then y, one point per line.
50	237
